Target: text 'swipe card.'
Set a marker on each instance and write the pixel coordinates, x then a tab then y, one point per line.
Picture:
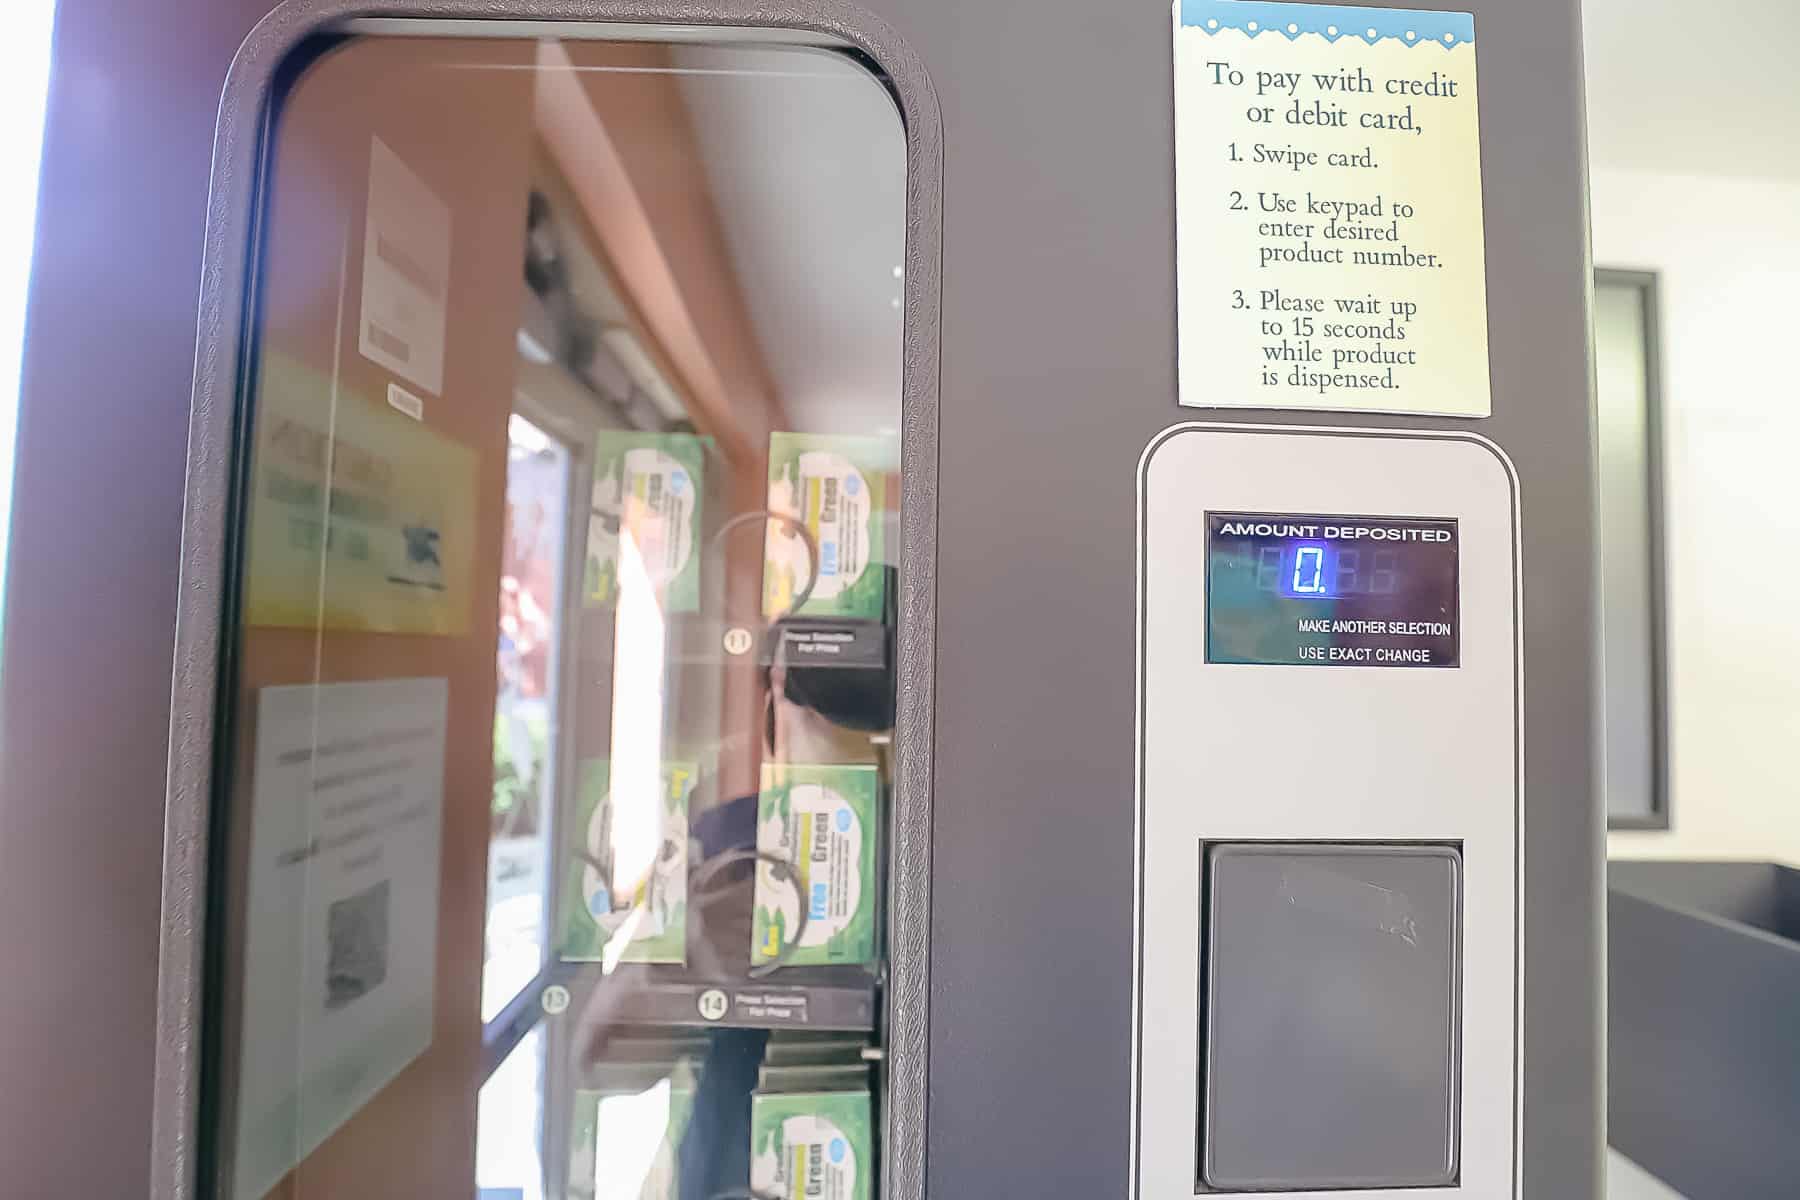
1328	209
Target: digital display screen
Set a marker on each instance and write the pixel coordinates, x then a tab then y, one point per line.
1325	591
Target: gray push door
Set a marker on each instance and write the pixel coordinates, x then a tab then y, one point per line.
1032	345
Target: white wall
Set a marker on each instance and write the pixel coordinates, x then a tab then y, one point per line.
1728	251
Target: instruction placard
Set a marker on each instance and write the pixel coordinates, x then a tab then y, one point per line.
341	935
1328	209
406	272
362	518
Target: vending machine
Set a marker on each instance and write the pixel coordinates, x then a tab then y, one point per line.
808	599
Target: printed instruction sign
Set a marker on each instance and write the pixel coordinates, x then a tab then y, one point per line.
1329	247
362	519
340	950
406	272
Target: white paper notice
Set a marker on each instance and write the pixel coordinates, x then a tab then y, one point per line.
1329	246
340	944
406	272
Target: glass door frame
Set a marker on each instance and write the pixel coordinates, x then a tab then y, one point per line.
549	413
225	355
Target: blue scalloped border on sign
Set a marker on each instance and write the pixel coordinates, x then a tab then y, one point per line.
1330	21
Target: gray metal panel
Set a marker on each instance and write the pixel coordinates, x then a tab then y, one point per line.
1058	369
108	363
1762	895
1704	1048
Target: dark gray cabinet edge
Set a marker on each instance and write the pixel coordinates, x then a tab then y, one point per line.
220	343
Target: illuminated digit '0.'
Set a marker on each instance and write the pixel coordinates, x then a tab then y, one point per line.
1309	570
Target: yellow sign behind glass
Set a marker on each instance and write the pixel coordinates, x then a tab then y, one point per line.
388	546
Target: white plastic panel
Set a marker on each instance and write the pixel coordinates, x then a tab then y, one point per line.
1234	752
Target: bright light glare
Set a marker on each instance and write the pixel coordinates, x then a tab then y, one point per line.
637	713
523	435
630	1134
24	82
613	953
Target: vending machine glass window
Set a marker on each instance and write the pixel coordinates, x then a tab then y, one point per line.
553	808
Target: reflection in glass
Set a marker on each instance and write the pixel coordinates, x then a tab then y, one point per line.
562	696
530	628
634	836
509	1114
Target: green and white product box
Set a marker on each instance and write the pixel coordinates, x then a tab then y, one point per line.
608	1137
811	1146
593	912
834	487
845	1078
647	486
837	1052
823	820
